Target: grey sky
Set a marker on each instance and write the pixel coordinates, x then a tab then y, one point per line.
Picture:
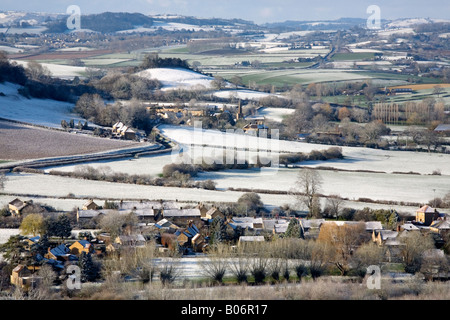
258	11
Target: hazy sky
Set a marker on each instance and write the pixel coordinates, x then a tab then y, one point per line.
258	11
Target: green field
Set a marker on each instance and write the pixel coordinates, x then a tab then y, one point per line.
358	56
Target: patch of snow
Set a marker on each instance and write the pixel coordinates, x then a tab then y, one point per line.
177	78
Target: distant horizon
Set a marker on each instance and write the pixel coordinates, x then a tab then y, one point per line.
259	12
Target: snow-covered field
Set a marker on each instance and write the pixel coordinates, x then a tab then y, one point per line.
59	71
356	158
177	78
35	111
6	233
275	114
243	94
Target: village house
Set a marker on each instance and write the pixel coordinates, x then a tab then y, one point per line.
80	246
166	225
203	209
86	215
383	237
212	213
90	205
60	253
134	240
276	226
247	222
311	227
18	207
441	227
426	215
250	239
182	216
21	277
408	226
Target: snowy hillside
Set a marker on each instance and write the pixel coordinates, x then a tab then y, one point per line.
177	78
35	111
59	71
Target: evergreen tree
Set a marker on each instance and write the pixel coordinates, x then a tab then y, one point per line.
44	244
89	270
294	229
63	228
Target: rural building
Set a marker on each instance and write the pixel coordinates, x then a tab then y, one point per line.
212	213
90	205
426	215
60	253
85	215
443	129
382	236
276	226
21	277
182	216
165	224
441	227
247	239
247	222
311	224
202	208
408	226
134	240
121	130
16	206
80	246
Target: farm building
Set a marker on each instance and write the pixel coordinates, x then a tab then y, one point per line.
121	130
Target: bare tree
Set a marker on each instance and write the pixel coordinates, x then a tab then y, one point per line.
334	204
216	265
3	180
307	186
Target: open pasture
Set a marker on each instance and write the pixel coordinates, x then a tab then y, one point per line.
19	142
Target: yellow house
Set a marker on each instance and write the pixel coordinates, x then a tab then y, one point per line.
16	206
80	246
21	277
426	215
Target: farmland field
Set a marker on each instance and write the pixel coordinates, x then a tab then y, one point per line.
19	142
